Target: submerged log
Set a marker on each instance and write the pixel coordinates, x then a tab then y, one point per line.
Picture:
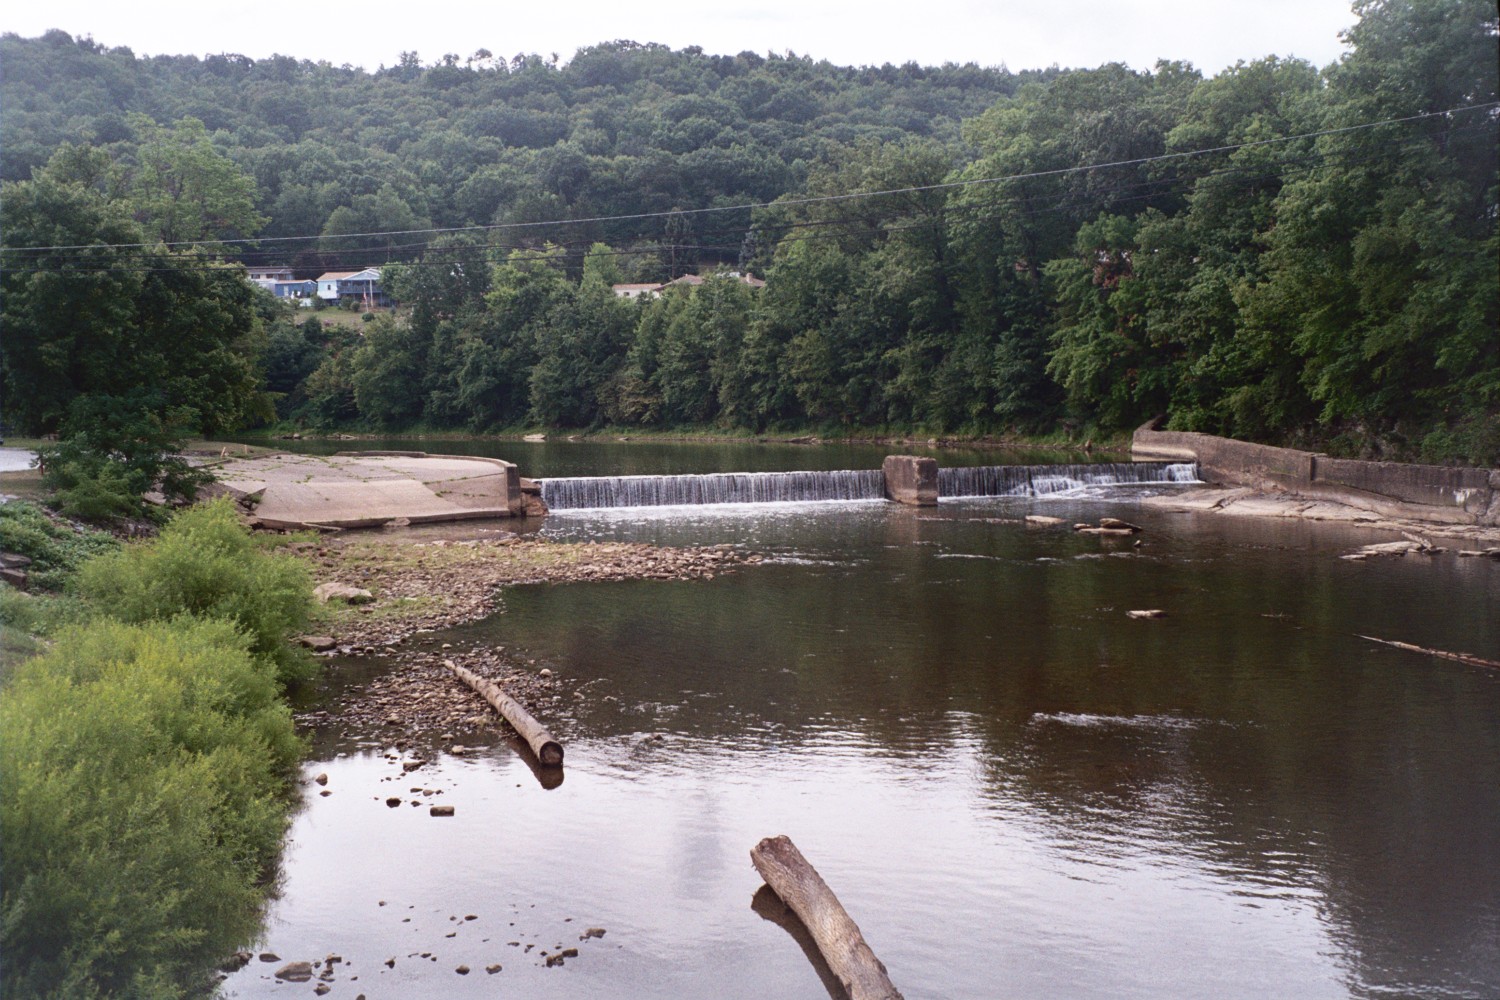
837	936
1473	661
548	751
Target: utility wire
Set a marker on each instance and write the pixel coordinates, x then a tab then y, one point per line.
1282	171
945	186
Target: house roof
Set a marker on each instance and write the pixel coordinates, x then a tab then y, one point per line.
373	272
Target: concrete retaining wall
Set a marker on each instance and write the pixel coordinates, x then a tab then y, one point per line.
1447	493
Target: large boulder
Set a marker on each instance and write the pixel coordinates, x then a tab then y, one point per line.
343	591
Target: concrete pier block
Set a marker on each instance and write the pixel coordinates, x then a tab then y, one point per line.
911	480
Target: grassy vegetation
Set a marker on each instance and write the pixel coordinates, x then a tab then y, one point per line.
147	754
55	547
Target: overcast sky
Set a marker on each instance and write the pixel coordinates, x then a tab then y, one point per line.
1211	34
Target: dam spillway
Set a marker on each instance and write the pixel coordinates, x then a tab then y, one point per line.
1041	480
591	492
712	488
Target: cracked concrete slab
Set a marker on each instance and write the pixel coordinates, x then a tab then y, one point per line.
351	490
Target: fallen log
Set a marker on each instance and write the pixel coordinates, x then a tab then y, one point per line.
548	751
770	907
1473	661
837	936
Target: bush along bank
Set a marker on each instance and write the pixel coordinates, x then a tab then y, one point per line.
148	755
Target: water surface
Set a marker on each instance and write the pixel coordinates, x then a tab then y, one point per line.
1015	789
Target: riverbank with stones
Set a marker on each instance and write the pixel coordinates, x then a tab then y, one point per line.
398	590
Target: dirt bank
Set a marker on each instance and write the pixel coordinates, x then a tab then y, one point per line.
418	586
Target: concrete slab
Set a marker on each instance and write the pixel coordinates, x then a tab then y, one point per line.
371	488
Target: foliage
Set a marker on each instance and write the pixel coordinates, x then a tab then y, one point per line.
139	806
1277	252
56	549
205	564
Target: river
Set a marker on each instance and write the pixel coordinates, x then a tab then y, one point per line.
1015	789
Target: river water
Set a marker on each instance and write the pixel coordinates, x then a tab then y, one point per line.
1015	789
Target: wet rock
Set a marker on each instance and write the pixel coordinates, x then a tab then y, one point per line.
592	932
393	801
1116	523
462	970
440	811
559	958
492	969
269	956
390	963
412	765
295	972
1044	521
1148	613
238	960
322	779
321	988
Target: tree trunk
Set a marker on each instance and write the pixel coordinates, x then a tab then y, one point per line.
838	938
548	751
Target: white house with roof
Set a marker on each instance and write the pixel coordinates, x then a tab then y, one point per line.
360	286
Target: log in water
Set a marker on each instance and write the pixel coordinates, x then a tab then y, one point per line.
548	751
838	937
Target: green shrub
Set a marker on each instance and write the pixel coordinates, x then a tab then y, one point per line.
205	564
141	802
56	548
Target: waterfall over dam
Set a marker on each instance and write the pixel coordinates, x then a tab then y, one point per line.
1039	480
580	493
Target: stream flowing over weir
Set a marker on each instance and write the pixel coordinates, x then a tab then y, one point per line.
582	493
1040	480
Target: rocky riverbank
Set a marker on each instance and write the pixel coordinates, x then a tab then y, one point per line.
401	589
1244	501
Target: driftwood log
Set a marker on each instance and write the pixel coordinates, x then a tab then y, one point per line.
548	751
837	936
1473	661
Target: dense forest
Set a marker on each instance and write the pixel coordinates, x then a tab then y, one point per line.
1279	252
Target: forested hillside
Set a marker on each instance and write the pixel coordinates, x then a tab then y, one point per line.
1279	251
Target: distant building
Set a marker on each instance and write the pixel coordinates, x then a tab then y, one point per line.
362	287
635	291
259	275
629	291
305	292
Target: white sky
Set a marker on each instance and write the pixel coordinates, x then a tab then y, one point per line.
1023	34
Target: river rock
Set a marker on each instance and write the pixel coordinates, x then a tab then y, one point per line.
352	595
295	972
269	956
492	969
1147	613
462	970
1043	520
1391	548
1115	522
440	811
319	643
592	932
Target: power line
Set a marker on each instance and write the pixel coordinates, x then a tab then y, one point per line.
793	202
1282	170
